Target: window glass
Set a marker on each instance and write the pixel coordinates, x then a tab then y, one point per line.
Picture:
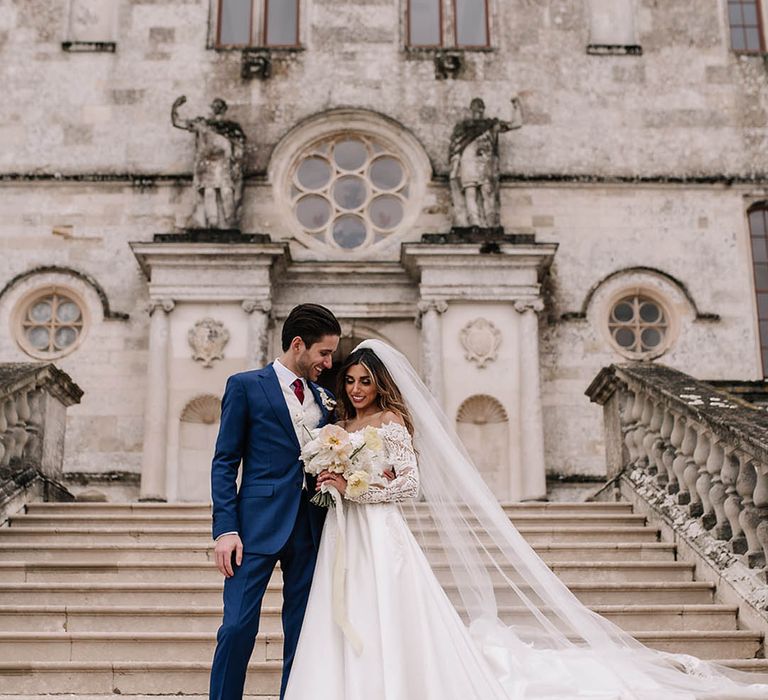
744	20
235	22
471	23
424	22
349	191
51	324
758	232
282	20
638	325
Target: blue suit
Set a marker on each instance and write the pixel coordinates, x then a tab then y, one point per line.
272	515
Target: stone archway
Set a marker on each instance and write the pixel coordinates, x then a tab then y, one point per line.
197	438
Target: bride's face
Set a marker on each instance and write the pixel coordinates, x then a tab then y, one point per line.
360	388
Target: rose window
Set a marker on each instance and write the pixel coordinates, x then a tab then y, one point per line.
349	191
638	325
51	324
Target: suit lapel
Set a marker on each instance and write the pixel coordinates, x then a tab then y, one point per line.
274	393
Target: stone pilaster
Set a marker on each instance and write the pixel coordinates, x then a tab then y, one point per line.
432	345
258	311
154	458
531	425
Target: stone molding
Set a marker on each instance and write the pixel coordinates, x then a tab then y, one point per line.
166	305
207	338
251	305
524	305
480	340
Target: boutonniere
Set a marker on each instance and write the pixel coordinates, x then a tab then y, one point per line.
327	401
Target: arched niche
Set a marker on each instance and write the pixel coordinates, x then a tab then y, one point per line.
199	426
483	426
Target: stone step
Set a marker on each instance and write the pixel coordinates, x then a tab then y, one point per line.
179	572
202	509
744	644
206	619
26	647
124	678
199	552
535	535
163	520
94	593
105	681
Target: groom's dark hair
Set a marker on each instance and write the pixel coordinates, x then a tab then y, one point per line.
310	322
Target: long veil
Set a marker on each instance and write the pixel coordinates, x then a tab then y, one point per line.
554	646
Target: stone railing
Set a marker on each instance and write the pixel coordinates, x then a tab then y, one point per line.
698	450
33	402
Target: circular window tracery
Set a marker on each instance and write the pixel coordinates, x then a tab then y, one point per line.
349	191
638	325
51	324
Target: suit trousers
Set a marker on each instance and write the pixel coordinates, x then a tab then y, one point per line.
243	595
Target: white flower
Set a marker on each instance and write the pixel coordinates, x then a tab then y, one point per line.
326	400
358	482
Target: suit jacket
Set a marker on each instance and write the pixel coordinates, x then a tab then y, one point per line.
256	428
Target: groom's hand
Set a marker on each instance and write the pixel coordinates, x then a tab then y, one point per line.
225	546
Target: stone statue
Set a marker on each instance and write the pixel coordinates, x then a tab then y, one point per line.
219	165
474	163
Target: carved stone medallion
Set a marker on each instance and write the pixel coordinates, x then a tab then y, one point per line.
481	340
207	339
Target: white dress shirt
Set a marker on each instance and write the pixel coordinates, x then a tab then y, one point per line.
307	414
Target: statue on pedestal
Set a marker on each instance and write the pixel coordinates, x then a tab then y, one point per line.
474	166
219	166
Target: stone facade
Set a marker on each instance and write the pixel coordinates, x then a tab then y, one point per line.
634	169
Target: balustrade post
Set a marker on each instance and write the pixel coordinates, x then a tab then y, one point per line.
642	431
695	471
703	481
749	518
761	506
730	475
652	438
666	450
5	438
678	464
715	463
634	411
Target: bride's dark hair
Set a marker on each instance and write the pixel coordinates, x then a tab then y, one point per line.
388	396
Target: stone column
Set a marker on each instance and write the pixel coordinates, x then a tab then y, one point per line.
432	345
534	482
258	322
154	458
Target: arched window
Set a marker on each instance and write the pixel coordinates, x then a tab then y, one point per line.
50	323
758	233
638	325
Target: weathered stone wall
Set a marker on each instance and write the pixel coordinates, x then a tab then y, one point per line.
687	118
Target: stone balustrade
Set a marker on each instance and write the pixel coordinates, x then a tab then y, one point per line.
686	442
33	401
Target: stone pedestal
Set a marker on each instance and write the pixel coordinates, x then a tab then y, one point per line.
221	286
480	297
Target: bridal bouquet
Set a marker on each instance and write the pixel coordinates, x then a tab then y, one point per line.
359	457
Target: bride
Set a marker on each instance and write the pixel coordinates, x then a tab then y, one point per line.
414	630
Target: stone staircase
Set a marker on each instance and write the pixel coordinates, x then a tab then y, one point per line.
101	599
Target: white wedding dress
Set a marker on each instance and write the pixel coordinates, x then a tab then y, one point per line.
399	636
414	643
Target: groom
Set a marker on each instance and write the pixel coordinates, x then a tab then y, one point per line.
264	414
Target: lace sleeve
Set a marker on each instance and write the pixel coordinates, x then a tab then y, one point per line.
402	460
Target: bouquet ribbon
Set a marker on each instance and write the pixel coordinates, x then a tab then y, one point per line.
339	578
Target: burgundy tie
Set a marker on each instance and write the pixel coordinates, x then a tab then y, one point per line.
298	389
